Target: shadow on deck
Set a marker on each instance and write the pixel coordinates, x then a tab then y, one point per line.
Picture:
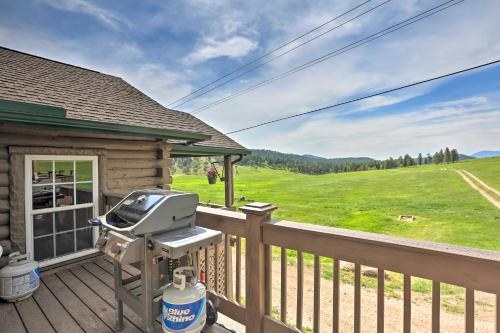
74	298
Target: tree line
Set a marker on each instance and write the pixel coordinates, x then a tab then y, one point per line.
314	165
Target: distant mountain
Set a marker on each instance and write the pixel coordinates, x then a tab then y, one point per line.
271	154
486	153
463	157
308	163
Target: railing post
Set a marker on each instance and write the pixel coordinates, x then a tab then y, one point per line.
256	214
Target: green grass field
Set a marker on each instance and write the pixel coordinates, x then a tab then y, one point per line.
447	209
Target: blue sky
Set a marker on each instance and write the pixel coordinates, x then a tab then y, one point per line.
170	48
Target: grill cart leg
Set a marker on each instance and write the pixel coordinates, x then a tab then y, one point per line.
119	303
147	286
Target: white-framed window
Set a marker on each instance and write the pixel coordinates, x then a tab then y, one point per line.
61	196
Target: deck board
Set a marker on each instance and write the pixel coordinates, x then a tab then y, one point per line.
105	292
32	316
96	304
78	310
77	299
58	317
11	322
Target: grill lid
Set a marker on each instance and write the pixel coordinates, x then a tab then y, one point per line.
152	211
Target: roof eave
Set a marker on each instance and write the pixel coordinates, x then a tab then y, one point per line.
196	150
29	114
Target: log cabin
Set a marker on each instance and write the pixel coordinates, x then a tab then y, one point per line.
71	139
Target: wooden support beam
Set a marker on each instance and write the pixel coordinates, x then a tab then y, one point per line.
228	182
257	214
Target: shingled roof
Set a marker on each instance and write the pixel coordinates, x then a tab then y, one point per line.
90	95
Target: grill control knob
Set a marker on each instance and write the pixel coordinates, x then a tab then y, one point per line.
116	249
101	241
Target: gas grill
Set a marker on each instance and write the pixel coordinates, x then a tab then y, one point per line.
154	231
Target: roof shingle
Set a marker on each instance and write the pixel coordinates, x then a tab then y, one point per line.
94	96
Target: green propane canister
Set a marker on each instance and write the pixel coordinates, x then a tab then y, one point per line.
184	303
20	278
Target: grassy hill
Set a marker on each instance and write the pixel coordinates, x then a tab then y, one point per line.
447	209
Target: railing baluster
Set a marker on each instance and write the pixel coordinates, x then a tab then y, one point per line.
469	310
300	289
216	268
317	283
238	270
357	298
207	265
407	304
380	300
284	273
497	317
228	266
268	264
336	295
436	306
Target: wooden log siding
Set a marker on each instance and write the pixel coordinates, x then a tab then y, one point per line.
130	169
4	193
473	269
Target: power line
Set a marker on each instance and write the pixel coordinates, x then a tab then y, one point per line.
365	97
282	54
270	52
337	52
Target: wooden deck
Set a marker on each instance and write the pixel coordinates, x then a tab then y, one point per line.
75	298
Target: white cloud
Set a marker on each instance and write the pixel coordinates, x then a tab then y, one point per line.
234	47
107	17
466	124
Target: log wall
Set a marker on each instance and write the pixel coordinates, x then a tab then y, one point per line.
4	200
125	164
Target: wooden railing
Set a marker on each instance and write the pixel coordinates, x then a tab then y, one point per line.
256	234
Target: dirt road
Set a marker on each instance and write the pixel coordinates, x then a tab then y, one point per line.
481	188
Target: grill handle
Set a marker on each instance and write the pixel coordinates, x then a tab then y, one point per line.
95	222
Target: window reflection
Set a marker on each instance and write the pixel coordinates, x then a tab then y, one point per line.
42	172
64	195
64	220
83	171
42	224
64	172
42	196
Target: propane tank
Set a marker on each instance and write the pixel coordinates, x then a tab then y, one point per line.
184	301
20	278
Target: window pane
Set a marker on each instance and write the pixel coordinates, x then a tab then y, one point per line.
42	224
83	171
64	195
42	196
42	172
65	243
84	239
64	220
64	172
84	193
83	216
44	248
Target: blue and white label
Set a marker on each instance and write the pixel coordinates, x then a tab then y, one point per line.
182	317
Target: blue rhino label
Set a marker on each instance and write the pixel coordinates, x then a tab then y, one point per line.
183	317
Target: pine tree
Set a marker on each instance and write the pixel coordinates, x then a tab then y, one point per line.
454	155
420	159
447	155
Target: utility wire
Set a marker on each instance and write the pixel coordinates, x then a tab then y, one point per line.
284	53
366	97
270	52
358	43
